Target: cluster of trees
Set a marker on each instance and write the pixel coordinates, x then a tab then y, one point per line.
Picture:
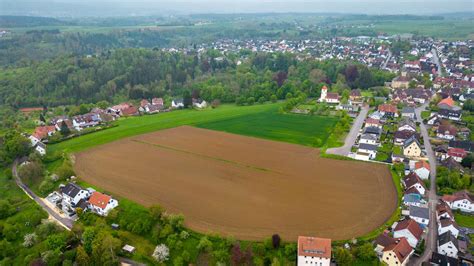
451	181
13	145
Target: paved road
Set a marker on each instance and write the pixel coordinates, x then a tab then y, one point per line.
431	238
384	65
352	136
66	223
437	61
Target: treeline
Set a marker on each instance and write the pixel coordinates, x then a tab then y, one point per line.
143	73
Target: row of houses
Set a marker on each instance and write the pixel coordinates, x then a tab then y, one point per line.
71	196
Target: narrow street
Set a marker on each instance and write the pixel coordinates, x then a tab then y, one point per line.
66	223
437	61
352	136
431	238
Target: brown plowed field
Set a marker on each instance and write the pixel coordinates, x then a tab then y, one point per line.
241	186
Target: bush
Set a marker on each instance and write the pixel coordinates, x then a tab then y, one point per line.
250	100
273	98
204	244
261	100
161	253
46	186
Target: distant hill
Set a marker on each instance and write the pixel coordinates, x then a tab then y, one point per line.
27	21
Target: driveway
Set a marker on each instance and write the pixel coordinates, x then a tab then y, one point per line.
65	222
432	235
352	136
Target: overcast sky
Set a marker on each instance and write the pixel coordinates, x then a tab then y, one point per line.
156	7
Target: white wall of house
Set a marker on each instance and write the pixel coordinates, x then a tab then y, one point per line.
462	205
391	259
40	150
451	228
420	220
313	261
448	249
412	240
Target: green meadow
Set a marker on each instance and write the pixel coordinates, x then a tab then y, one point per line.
262	121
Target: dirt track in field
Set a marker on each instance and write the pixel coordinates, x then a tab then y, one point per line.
241	186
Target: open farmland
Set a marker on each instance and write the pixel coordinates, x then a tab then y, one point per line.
242	186
258	120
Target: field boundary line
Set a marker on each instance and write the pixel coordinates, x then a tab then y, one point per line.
208	157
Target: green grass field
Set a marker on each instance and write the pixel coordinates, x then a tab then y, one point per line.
258	120
464	220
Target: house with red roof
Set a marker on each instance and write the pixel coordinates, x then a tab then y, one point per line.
446	103
412	180
444	211
314	251
457	154
410	230
461	200
328	97
397	253
372	122
422	169
101	203
388	110
41	133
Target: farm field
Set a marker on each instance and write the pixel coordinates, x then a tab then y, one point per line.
258	120
243	186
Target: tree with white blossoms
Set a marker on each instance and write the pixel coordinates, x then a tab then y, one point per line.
29	240
161	253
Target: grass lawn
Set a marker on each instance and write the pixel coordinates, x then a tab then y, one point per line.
464	220
258	120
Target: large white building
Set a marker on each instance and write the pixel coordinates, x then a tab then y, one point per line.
461	200
314	251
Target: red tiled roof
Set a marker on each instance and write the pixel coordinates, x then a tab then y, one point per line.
42	132
412	226
99	200
448	101
388	108
314	247
130	110
332	95
460	195
31	109
457	152
401	249
421	164
372	121
144	102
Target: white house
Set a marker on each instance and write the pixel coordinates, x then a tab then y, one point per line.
177	103
101	204
448	225
40	148
409	229
199	103
413	181
72	194
368	139
448	245
420	214
328	97
408	125
314	251
460	200
422	169
443	211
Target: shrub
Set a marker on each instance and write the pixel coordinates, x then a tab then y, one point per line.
204	244
250	100
29	240
273	98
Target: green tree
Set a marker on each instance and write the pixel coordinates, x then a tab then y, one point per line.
343	256
250	100
82	258
273	98
261	100
366	252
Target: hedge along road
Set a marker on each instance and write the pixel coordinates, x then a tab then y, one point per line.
242	186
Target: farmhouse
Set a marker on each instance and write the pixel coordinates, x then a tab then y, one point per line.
460	200
397	253
448	245
412	148
410	230
314	251
102	204
41	133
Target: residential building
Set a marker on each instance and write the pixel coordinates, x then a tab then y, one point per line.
410	230
448	245
412	180
177	103
447	132
101	203
420	215
454	115
408	112
397	253
412	148
461	200
422	169
457	154
443	260
446	224
314	251
388	110
72	194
